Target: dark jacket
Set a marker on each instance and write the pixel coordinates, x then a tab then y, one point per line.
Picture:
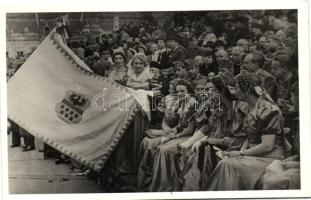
268	82
178	54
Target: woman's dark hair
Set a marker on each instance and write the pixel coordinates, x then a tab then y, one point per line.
188	85
209	44
248	82
119	53
221	82
105	48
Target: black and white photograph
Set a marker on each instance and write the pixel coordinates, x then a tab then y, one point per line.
106	102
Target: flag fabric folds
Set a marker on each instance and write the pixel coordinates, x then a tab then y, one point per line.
62	103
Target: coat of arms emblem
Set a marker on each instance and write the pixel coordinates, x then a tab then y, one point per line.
71	108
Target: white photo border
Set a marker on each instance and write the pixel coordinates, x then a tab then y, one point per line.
173	5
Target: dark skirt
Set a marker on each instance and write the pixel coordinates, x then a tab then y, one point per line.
119	172
196	167
148	150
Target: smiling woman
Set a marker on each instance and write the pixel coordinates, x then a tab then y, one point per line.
138	75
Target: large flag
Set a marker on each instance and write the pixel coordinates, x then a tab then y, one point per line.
57	99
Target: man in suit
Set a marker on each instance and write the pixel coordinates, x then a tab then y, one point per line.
178	51
237	58
29	140
253	63
163	54
14	128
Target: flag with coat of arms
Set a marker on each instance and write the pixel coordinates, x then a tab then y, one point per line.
56	98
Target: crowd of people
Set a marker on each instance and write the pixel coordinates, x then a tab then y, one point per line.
228	118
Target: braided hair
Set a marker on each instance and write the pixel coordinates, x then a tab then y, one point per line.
221	82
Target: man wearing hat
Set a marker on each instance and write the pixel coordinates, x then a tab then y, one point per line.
178	51
179	72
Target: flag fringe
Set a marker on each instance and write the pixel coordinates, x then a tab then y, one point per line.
97	166
87	72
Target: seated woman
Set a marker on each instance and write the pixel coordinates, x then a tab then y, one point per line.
149	145
120	170
263	127
139	78
118	72
285	174
164	168
138	75
223	130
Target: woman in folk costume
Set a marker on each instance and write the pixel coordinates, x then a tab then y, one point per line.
120	171
139	78
285	174
241	170
222	131
118	72
280	175
165	174
149	145
138	74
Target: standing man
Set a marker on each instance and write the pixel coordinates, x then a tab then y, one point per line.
237	58
14	129
163	53
154	55
29	140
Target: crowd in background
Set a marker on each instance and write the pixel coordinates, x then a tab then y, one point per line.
229	116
